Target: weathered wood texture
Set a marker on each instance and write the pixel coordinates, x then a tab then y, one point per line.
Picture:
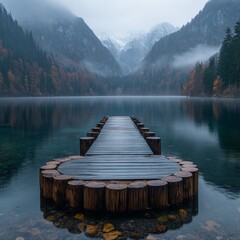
175	190
119	136
94	196
116	198
137	196
74	194
157	194
122	167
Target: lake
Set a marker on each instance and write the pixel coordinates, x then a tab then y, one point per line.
36	130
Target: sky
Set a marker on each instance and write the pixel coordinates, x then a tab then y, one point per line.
121	17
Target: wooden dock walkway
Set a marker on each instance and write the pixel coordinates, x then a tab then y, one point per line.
119	153
120	168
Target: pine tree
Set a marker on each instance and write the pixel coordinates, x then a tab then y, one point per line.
225	59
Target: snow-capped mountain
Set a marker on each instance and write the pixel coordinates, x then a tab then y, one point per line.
131	50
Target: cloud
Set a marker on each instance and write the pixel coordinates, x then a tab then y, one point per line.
200	53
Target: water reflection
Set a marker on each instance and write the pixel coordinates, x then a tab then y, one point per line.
205	131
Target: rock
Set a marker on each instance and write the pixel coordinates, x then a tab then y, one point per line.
160	229
79	216
50	218
20	238
108	227
111	235
150	237
211	226
91	229
182	213
162	219
81	227
172	217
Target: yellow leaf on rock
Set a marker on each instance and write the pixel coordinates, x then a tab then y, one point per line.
108	227
111	235
79	216
50	218
91	229
182	213
163	218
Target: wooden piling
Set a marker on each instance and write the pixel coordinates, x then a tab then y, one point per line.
116	198
143	130
93	134
43	174
96	129
85	144
74	194
148	134
59	189
157	194
140	125
137	196
100	125
175	190
94	196
187	178
194	172
155	144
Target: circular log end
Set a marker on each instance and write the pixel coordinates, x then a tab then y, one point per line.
49	167
191	170
76	183
137	185
185	162
62	178
183	174
95	185
156	183
116	186
172	179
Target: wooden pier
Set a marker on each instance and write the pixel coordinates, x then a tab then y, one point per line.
120	169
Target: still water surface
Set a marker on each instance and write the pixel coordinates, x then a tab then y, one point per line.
36	130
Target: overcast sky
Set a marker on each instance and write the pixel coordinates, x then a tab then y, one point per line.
124	16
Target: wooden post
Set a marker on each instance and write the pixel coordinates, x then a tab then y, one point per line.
85	144
96	129
140	125
116	198
93	134
157	194
100	125
74	194
59	189
148	134
52	173
175	190
194	172
94	196
48	167
155	144
187	178
185	162
137	196
143	130
188	166
46	183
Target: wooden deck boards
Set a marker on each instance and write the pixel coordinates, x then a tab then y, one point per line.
119	153
119	136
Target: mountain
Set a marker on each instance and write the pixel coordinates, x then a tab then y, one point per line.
64	35
131	51
26	70
167	64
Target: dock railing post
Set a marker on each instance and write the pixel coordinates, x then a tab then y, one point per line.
85	144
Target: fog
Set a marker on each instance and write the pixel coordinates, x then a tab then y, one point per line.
200	53
114	17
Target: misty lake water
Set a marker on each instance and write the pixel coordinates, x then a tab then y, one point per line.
36	130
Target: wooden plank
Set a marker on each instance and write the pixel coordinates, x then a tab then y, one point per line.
119	136
119	167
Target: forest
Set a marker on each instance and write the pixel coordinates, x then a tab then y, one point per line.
220	76
26	70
